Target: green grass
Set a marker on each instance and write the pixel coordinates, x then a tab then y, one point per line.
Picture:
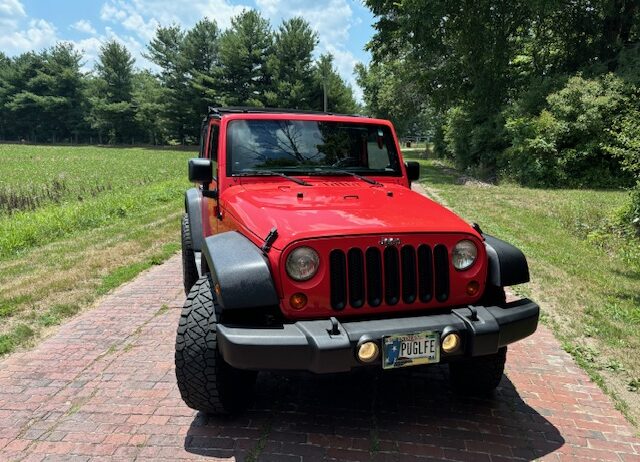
20	334
76	222
585	276
123	274
57	313
34	176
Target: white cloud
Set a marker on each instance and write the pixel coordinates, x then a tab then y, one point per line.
268	7
38	34
141	18
84	26
90	48
12	8
144	16
11	12
121	12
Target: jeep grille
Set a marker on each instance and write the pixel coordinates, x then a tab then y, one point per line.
388	276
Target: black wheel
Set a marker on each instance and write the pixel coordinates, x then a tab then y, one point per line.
481	375
478	376
189	268
206	382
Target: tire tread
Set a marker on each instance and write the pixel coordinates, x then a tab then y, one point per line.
206	382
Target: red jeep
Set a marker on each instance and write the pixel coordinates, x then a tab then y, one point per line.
304	248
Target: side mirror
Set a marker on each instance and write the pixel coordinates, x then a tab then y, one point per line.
413	170
200	170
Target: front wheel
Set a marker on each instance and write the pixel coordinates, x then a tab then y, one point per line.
478	376
206	382
189	268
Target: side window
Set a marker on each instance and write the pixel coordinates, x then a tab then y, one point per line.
213	141
377	150
378	157
203	138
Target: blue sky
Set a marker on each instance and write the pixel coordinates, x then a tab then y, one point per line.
343	26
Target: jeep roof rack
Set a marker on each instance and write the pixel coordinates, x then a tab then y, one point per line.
219	111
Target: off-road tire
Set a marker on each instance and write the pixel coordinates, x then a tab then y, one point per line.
189	268
481	375
478	376
206	382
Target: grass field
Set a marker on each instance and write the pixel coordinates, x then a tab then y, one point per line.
76	222
586	278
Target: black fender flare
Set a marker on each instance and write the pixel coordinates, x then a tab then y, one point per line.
239	271
193	207
507	264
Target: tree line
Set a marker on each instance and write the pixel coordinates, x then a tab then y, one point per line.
46	97
541	92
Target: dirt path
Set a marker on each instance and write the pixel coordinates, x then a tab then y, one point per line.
103	388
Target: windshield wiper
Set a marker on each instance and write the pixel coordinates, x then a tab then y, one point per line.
347	172
271	173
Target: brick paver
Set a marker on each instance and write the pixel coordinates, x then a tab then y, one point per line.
103	387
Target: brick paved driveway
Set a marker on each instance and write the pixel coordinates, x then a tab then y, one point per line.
103	388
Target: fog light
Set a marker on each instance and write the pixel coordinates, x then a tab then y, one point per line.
298	301
450	343
473	288
368	352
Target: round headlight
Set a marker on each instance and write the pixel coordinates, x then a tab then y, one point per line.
464	254
302	264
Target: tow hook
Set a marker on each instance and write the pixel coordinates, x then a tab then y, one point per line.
473	313
335	330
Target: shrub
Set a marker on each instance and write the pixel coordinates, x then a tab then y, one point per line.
457	127
533	156
473	139
569	142
625	146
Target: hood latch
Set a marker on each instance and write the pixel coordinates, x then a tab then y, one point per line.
270	239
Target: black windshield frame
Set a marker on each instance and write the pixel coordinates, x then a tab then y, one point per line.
301	163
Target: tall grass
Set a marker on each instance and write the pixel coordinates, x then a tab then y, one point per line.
25	229
35	176
76	222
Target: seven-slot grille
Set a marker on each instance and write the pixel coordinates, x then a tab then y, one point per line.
388	276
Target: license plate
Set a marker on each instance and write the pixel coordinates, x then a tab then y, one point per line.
404	350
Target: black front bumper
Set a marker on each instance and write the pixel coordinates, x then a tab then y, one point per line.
312	346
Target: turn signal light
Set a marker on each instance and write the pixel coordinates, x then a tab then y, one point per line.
473	288
298	301
450	343
368	352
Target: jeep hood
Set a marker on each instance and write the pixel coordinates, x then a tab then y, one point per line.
336	209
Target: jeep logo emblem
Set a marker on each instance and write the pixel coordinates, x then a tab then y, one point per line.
389	241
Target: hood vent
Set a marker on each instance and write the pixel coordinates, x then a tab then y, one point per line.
337	184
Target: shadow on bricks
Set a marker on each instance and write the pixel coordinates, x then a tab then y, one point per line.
400	415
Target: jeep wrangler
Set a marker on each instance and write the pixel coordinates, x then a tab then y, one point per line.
304	248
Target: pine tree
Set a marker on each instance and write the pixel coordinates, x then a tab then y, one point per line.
328	86
244	52
113	104
291	65
165	50
201	63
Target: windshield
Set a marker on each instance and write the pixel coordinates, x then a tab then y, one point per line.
310	147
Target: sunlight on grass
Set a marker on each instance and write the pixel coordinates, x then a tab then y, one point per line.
584	276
